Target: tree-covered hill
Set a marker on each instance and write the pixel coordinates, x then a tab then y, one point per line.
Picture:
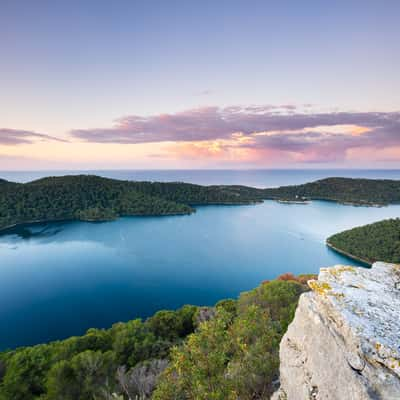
94	198
343	190
4	184
78	197
196	194
229	351
374	242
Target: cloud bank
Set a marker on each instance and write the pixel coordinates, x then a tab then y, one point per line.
301	136
237	135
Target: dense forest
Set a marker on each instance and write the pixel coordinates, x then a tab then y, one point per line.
343	190
4	184
374	242
229	351
92	198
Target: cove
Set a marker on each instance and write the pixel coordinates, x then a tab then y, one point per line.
59	279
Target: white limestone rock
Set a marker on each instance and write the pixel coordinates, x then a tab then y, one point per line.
344	342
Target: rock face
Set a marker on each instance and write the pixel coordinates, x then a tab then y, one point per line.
344	342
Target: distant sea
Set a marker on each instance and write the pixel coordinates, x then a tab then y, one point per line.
250	177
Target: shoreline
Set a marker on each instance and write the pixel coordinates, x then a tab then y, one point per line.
49	221
3	230
329	200
305	202
345	253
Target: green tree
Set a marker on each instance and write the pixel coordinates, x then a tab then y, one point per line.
86	376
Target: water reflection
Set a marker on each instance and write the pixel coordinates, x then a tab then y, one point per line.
38	230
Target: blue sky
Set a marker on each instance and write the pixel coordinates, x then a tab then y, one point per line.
76	65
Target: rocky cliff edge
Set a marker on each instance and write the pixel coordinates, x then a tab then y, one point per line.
344	342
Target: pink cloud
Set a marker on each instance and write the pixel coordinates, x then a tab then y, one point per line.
212	123
253	133
12	137
283	130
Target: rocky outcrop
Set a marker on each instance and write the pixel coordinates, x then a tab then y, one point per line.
344	342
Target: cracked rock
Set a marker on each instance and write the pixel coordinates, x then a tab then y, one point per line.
344	340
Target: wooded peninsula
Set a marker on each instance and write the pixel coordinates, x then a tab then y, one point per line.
379	241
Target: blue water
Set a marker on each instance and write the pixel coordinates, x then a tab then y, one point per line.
63	278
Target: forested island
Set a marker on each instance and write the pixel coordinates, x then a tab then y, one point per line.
228	351
93	198
379	241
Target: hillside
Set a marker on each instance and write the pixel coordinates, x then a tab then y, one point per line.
93	198
4	183
223	352
343	190
374	242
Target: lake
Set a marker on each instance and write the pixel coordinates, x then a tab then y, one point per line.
59	279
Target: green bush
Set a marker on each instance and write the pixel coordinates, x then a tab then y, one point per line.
83	367
235	355
232	354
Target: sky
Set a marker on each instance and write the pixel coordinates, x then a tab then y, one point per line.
199	84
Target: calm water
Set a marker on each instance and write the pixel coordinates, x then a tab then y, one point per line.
63	278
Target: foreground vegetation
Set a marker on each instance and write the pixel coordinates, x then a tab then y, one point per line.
92	198
374	242
229	351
